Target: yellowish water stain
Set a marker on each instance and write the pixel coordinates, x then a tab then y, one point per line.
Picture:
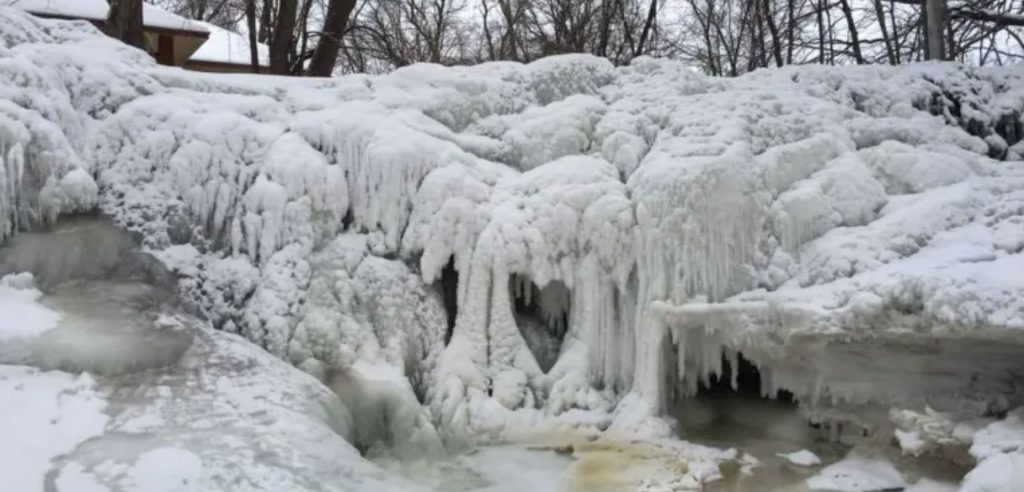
614	465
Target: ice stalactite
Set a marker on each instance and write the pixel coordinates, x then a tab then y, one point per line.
385	156
40	175
11	167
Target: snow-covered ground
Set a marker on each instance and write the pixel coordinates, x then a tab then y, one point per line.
475	254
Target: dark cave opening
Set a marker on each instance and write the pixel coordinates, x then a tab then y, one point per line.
723	415
542	316
450	296
748	381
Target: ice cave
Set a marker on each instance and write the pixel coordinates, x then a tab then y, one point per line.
559	276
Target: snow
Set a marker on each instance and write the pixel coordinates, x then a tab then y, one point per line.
802	458
152	16
999	449
85	9
43	415
811	218
999	473
926	485
228	47
856	474
21	317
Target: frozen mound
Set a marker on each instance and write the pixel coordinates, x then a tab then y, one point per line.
512	242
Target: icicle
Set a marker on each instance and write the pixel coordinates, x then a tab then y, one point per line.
734	364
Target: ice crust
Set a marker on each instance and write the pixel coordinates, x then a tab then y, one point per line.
852	208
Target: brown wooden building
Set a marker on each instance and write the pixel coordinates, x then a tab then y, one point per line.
171	39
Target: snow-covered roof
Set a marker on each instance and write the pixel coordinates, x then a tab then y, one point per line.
224	46
152	16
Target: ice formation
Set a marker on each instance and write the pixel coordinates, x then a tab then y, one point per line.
471	248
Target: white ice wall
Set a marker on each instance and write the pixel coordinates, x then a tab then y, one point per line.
683	213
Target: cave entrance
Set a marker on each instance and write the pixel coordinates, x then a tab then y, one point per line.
450	295
723	415
542	315
747	381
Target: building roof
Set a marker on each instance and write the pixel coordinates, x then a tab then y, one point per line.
224	46
96	10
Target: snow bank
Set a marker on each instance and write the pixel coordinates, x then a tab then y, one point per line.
999	449
44	415
804	217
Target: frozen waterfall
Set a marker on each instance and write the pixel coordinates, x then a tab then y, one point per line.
270	280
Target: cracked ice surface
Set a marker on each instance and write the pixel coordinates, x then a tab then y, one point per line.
774	214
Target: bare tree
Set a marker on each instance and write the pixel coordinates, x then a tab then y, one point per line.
725	37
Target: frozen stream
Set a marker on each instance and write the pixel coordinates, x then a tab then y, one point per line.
182	397
176	391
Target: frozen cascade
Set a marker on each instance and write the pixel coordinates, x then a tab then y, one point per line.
386	234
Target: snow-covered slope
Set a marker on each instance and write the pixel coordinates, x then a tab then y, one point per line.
645	218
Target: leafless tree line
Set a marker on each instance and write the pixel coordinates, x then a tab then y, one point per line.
723	37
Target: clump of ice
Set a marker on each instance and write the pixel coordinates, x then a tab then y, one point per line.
855	474
802	458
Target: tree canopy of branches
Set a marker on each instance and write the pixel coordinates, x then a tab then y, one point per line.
722	37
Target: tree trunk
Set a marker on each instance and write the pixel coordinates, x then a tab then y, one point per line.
284	35
935	28
790	30
880	14
266	20
250	23
821	32
852	27
769	16
652	17
756	36
303	49
326	53
124	22
897	45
